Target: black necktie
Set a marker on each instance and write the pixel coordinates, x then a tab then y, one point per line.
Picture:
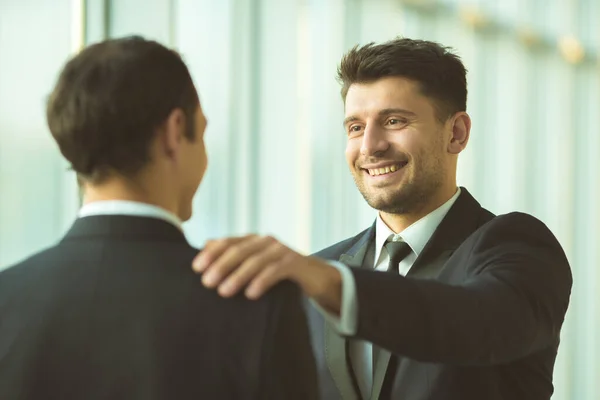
397	251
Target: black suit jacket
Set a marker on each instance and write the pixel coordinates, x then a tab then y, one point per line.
477	317
114	311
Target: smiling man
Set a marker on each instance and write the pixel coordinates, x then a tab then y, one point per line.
439	299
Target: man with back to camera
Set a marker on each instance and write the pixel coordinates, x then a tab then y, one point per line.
463	304
113	311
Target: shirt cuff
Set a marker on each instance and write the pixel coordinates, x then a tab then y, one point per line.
346	323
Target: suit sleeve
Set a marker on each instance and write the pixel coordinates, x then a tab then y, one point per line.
289	369
511	302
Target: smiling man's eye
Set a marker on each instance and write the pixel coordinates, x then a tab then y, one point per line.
395	121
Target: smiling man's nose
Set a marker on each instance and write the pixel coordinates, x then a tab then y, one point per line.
374	142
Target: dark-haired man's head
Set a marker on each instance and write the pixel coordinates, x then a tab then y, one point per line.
406	122
126	115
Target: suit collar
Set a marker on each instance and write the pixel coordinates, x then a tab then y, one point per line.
123	227
131	208
460	222
417	234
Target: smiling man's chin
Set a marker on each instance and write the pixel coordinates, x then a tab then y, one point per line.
382	198
392	198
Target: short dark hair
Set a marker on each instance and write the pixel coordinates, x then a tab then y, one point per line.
111	98
439	72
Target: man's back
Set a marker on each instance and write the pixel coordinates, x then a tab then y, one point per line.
115	312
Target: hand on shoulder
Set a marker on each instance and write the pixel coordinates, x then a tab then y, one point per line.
256	263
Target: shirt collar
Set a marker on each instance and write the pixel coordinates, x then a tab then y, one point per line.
130	208
416	235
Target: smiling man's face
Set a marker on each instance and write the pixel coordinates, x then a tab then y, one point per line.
397	147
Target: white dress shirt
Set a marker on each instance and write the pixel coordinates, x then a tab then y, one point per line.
416	236
130	208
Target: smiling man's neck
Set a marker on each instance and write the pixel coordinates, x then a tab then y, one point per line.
399	222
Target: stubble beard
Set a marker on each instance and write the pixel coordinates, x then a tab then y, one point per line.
408	198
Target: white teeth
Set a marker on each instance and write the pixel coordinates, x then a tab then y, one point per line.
384	170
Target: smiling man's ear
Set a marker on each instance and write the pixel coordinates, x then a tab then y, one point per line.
461	130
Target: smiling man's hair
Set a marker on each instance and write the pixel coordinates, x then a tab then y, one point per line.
439	72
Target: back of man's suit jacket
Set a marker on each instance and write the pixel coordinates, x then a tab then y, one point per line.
115	312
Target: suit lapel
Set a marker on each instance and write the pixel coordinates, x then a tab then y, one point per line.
460	222
380	370
456	226
336	346
426	270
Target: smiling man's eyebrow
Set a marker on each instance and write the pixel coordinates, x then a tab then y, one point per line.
350	119
382	113
389	111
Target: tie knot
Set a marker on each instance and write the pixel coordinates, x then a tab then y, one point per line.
397	251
